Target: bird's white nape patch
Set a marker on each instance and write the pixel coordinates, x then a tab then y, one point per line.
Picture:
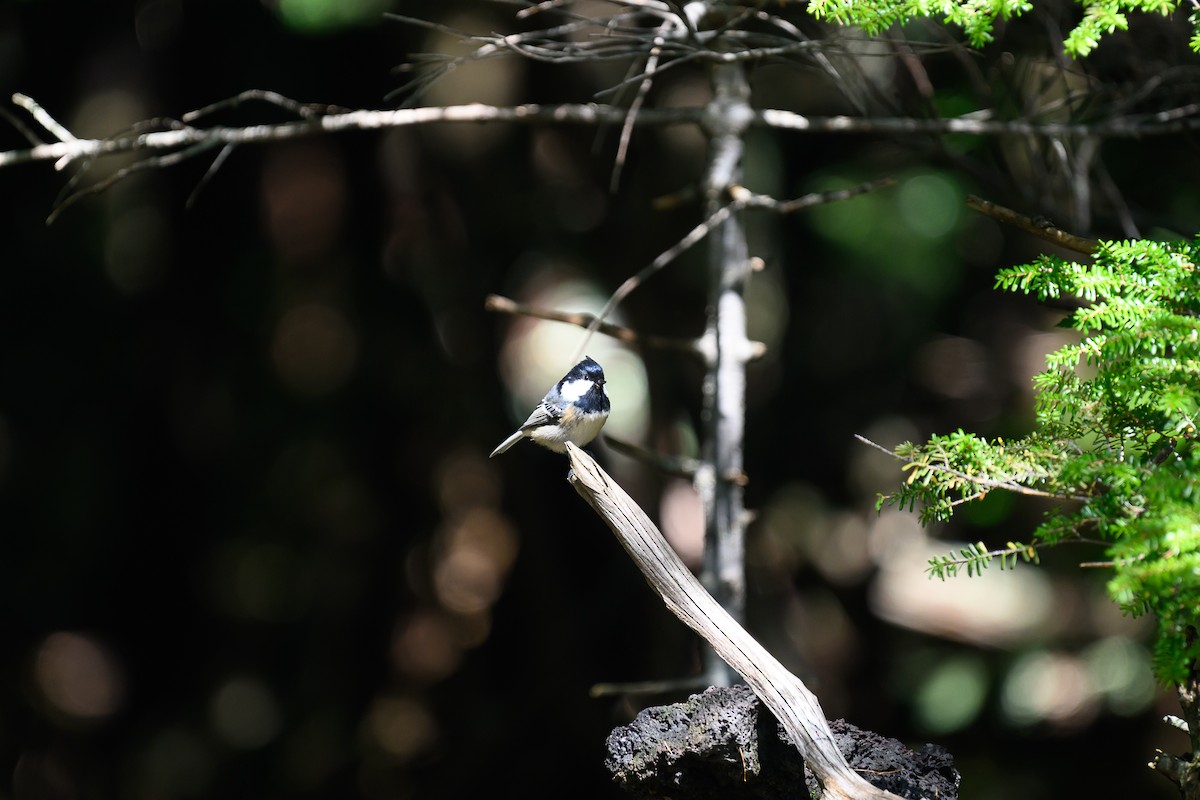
573	390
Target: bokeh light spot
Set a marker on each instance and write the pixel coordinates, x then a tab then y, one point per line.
474	555
953	366
245	713
78	676
314	349
995	609
930	205
424	647
839	548
315	16
1119	669
400	726
304	200
682	515
1047	687
952	695
465	479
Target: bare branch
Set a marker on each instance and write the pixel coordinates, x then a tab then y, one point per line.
678	466
545	5
504	305
565	43
742	199
748	199
635	106
66	151
43	117
664	258
20	126
1172	121
164	160
1039	228
187	135
302	110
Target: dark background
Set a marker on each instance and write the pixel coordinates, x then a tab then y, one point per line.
252	544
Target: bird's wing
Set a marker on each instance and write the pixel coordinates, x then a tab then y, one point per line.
542	415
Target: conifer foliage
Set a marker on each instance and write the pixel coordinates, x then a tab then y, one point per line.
1114	439
977	17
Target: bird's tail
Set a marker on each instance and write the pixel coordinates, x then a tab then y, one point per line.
507	443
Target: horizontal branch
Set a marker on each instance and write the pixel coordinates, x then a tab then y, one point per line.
181	136
63	152
1172	121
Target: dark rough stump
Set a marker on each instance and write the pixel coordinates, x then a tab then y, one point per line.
723	744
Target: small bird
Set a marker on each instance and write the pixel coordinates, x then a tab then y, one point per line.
574	410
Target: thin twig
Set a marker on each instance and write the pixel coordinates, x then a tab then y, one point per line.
751	200
1039	228
1112	564
261	95
664	258
21	127
583	319
216	164
741	199
165	160
43	117
539	7
678	466
636	105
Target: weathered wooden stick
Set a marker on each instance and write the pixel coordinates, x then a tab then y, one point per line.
789	699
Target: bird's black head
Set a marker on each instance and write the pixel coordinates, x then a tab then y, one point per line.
584	387
586	370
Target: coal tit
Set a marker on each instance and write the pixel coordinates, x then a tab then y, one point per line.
574	410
